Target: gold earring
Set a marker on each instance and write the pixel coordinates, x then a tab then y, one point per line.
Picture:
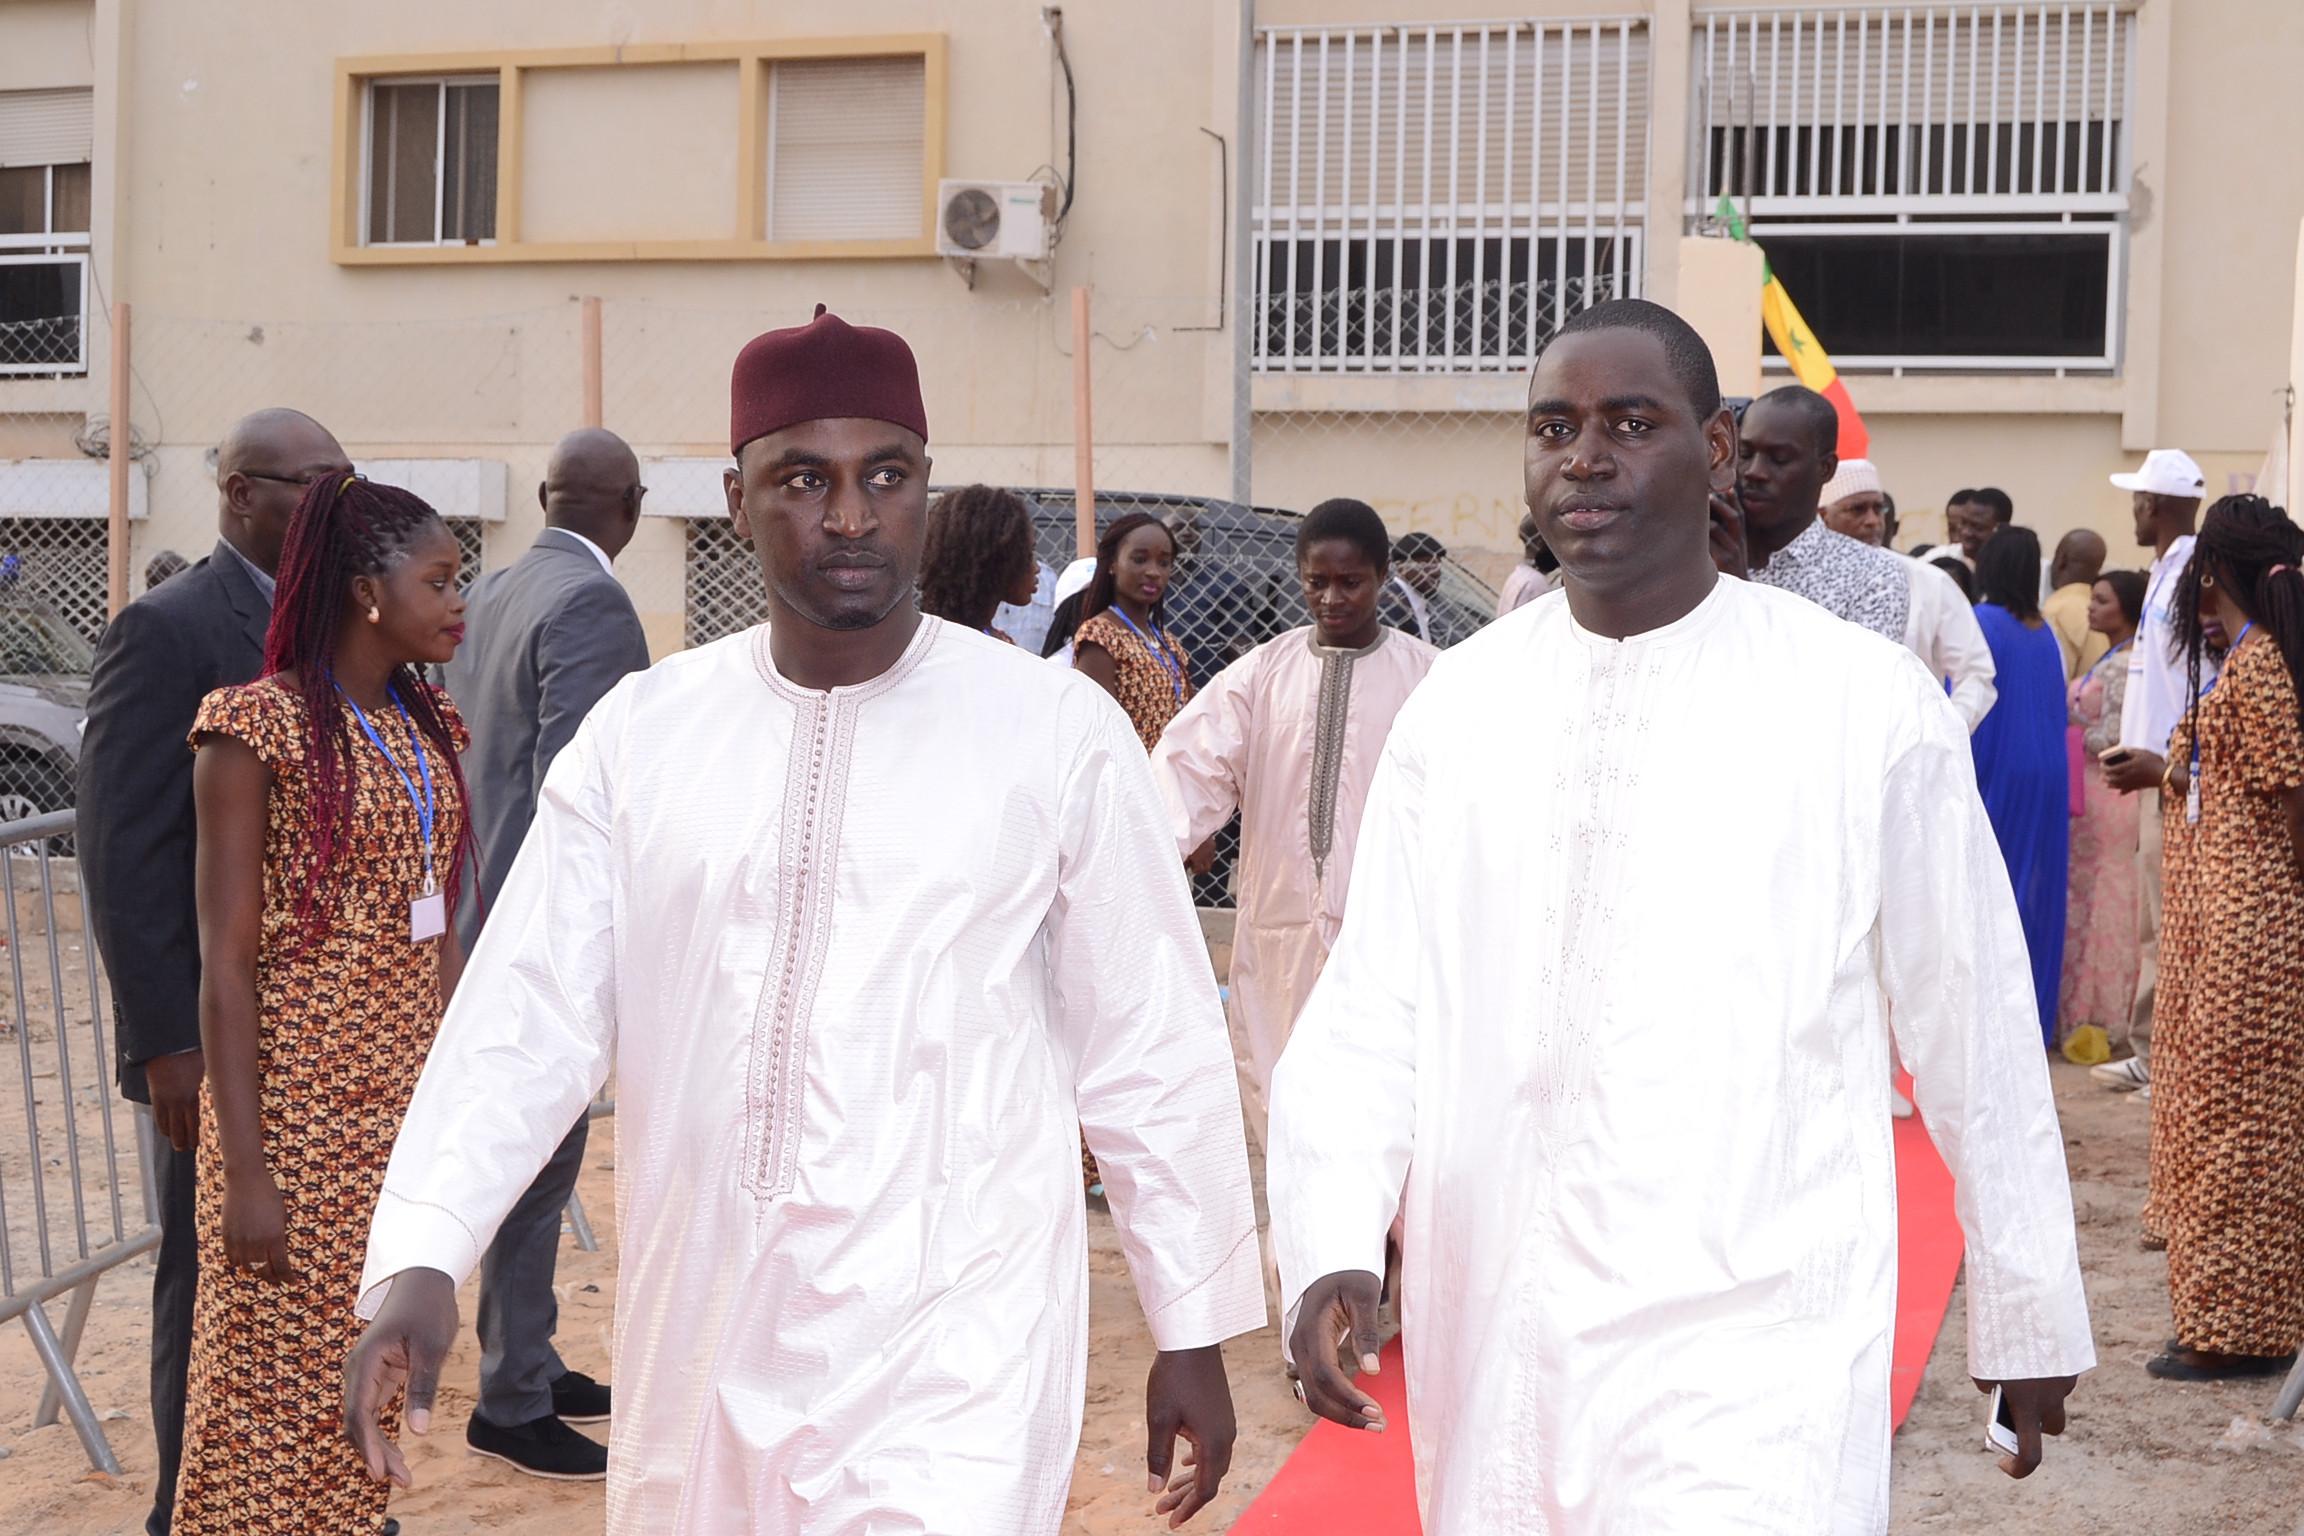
373	616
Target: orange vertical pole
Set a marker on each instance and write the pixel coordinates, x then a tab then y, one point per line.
1083	431
593	416
120	442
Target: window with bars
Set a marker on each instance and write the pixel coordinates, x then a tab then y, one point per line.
725	592
1440	198
1939	186
61	564
431	161
471	548
46	144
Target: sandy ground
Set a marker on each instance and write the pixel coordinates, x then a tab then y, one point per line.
2141	1455
46	1485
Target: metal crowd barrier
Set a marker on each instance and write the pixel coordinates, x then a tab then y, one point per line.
69	1209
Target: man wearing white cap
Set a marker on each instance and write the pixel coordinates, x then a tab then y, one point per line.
1853	502
2165	496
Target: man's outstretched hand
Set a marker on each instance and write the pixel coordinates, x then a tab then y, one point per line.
404	1347
1187	1397
1338	1311
2037	1406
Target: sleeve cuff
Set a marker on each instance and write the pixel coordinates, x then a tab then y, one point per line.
1228	1303
413	1234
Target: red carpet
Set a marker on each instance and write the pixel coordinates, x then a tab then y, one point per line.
1343	1480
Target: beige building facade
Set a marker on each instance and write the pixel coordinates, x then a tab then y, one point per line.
1322	240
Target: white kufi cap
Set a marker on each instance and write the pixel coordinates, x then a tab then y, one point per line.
1853	476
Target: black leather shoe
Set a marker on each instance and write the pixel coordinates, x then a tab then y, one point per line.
391	1526
578	1399
542	1447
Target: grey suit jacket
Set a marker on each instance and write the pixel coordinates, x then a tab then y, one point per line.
545	638
200	630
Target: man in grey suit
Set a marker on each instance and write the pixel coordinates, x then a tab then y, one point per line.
158	659
545	638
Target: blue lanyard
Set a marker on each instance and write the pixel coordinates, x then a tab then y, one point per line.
1159	652
2192	786
2107	656
423	766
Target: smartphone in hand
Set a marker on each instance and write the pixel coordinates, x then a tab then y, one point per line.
2000	1428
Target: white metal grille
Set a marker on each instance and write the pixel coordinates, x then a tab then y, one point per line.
1941	109
1439	198
471	548
724	587
58	563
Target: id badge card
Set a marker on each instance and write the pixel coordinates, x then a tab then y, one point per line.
428	915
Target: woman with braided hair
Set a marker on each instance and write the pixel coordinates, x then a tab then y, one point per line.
978	555
2228	1032
331	834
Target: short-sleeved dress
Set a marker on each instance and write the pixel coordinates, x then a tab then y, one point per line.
342	1031
1155	682
2228	1023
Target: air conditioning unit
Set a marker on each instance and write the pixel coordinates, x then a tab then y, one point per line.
977	220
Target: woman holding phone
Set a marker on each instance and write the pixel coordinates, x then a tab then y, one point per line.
2228	1032
331	830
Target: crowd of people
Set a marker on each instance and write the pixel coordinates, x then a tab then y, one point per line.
879	911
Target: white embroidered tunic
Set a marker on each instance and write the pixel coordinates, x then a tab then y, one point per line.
1289	736
1608	1000
860	960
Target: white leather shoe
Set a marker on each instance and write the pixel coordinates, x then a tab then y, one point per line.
2129	1072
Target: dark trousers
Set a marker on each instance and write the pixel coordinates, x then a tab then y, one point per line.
174	1273
518	1311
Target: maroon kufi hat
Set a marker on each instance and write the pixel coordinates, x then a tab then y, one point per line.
822	369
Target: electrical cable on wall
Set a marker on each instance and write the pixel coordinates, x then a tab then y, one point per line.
1052	16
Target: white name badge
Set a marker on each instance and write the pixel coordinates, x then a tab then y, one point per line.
428	917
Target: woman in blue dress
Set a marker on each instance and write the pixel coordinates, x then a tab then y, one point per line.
2021	765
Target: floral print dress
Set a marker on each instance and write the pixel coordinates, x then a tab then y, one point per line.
2228	1025
342	1031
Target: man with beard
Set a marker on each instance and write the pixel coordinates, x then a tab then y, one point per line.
1623	1062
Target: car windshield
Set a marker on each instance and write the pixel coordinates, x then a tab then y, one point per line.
38	644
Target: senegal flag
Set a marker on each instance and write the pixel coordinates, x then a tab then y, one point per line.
1811	364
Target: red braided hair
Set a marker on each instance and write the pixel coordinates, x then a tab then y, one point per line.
346	527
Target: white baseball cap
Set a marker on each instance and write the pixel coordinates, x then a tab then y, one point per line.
1853	476
2166	472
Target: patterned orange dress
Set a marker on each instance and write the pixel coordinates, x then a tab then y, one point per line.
1155	683
342	1031
2228	1025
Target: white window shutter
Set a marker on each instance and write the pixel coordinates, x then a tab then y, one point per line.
55	127
846	139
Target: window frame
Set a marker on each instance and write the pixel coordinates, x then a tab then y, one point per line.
2112	231
365	187
19	256
1594	54
1821	92
348	214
